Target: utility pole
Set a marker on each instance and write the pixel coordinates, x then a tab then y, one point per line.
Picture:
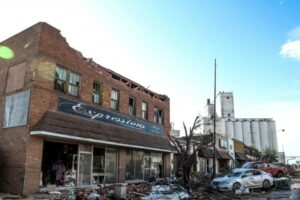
214	133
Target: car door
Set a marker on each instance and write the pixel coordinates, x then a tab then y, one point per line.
248	179
257	178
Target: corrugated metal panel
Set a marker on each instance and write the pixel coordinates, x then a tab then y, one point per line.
238	131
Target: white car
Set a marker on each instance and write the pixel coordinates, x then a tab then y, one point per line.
249	178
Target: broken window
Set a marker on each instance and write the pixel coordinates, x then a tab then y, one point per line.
66	81
158	116
98	165
131	108
16	109
134	165
97	93
111	164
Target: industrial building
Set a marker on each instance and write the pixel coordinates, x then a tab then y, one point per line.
259	133
68	121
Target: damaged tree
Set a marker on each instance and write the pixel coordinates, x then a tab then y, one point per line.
186	149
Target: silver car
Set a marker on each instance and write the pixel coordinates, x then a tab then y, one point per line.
249	178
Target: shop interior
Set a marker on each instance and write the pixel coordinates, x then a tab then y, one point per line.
59	164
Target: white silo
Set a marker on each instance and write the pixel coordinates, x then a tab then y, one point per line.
272	135
221	126
229	129
238	130
264	136
255	134
247	133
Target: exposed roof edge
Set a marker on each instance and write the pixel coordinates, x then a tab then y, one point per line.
76	138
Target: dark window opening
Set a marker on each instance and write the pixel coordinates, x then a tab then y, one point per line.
158	116
132	106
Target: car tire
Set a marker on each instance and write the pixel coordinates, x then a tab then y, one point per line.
266	184
279	175
236	186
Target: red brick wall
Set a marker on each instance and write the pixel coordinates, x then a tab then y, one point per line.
14	141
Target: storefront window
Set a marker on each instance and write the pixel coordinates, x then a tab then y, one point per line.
129	174
156	165
134	165
59	164
138	165
147	165
111	164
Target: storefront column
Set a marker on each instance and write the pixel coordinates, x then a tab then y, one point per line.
167	164
122	165
33	165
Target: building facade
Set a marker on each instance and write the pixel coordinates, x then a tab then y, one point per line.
69	121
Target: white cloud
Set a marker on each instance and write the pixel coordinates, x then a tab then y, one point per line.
291	49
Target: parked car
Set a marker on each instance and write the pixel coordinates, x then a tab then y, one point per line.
249	178
275	170
291	168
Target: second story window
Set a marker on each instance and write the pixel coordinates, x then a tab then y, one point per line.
97	93
66	81
223	143
73	88
144	110
158	116
131	107
114	99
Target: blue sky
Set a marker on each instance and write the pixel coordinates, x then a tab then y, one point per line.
171	46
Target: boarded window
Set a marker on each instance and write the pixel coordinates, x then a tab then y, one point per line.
15	78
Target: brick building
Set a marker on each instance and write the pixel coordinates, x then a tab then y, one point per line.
67	120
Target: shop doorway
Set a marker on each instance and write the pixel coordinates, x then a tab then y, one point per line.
59	164
98	166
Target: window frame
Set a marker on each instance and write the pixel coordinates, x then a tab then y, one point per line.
115	100
144	113
158	115
223	143
132	106
15	109
67	83
100	93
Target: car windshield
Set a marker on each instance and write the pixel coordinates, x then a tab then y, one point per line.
234	174
248	165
